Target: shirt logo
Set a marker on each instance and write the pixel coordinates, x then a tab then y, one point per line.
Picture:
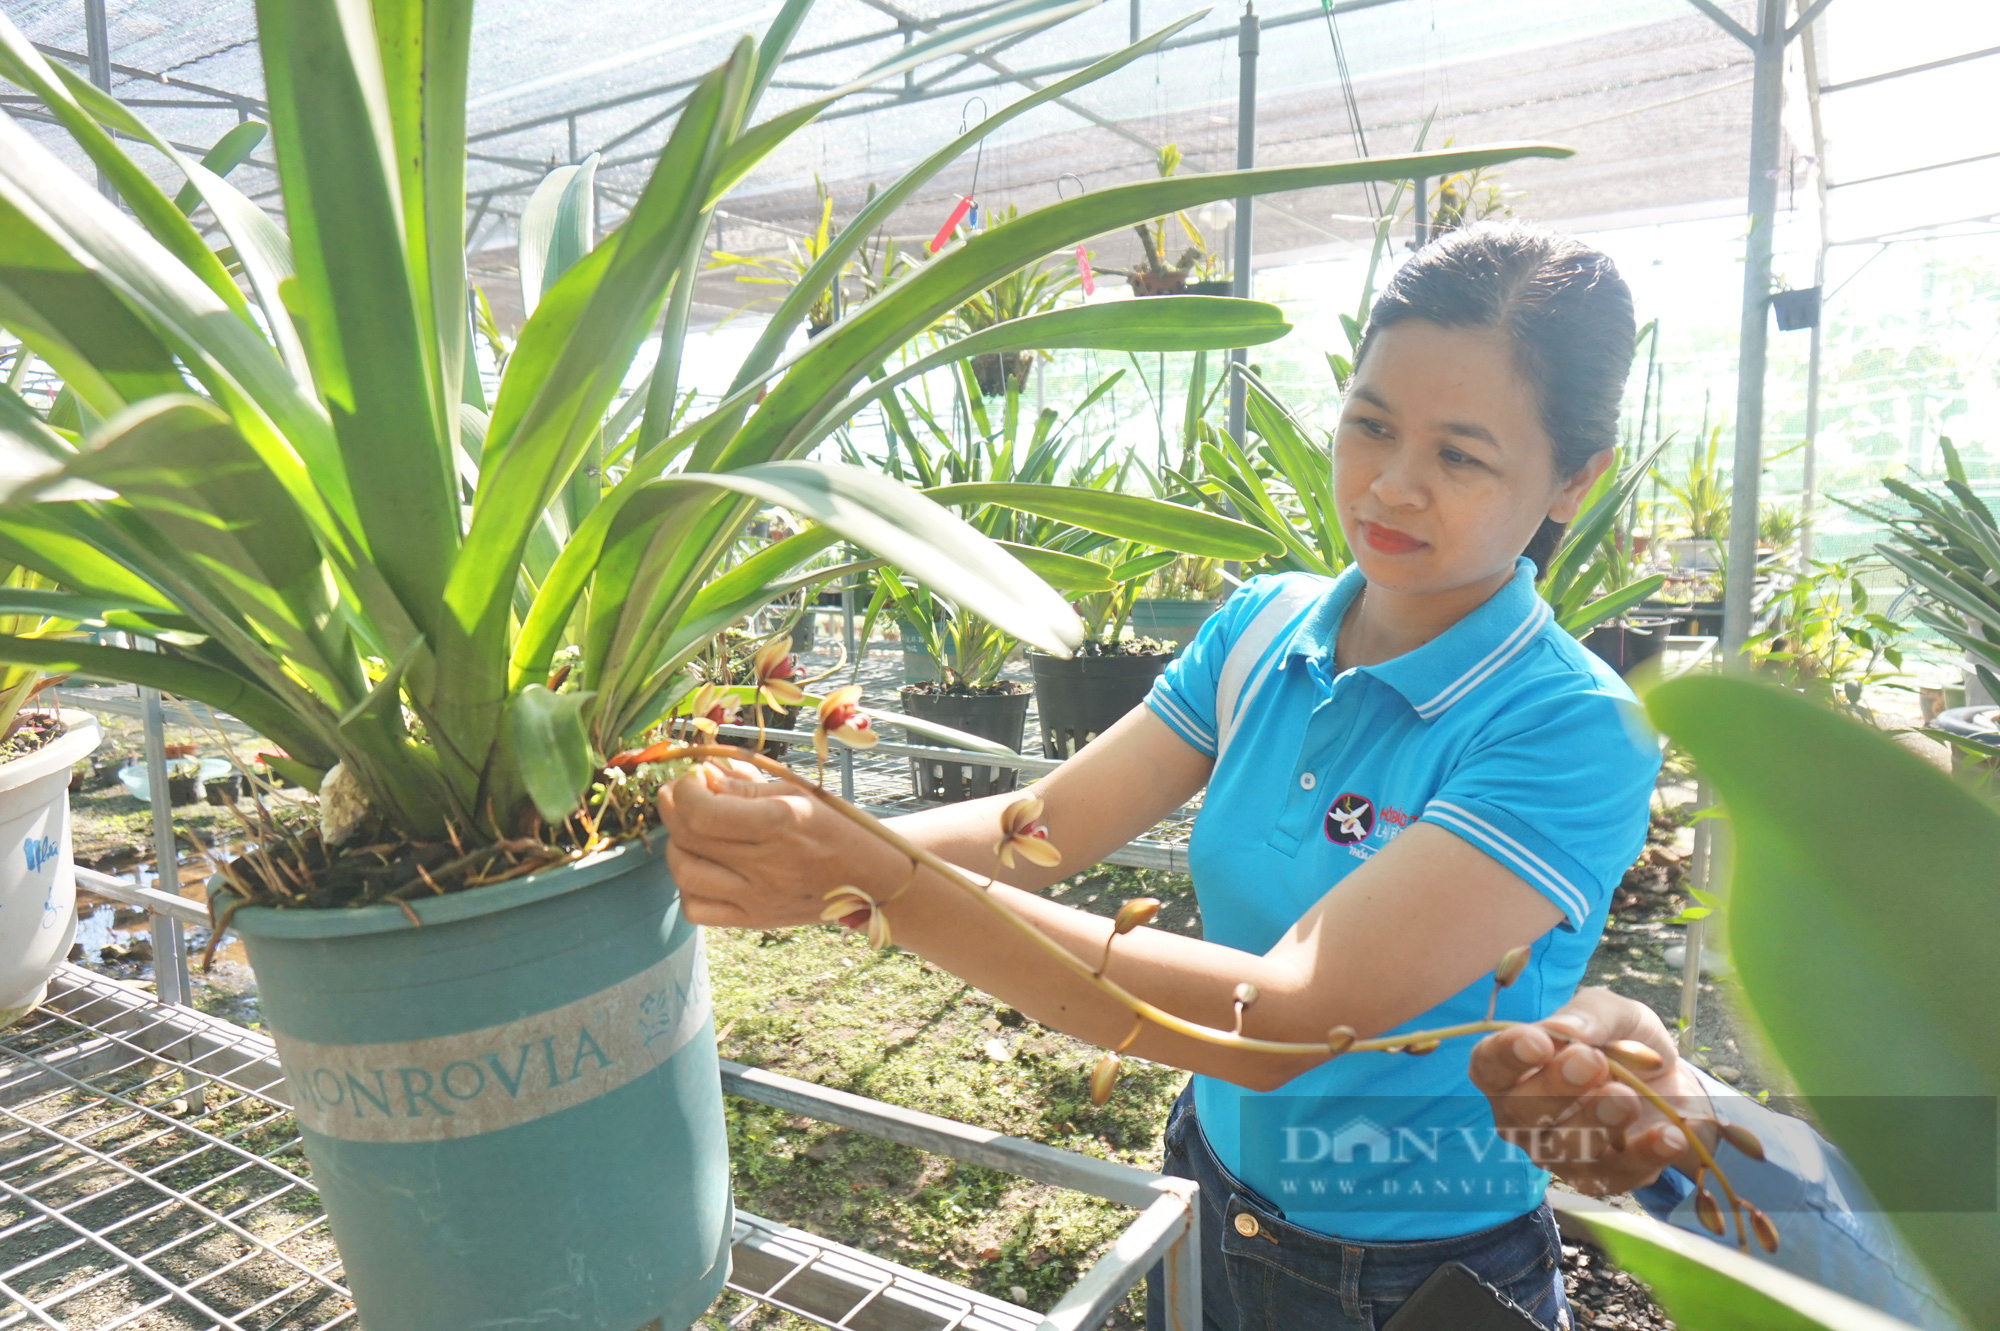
1350	820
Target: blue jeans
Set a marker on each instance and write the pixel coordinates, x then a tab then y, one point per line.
1284	1278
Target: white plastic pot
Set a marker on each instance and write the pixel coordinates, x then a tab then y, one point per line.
37	874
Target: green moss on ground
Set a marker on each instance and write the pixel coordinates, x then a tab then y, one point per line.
820	1005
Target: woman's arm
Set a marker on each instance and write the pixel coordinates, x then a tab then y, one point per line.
1423	918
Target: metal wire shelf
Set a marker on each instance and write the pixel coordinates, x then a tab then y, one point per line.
152	1176
149	1178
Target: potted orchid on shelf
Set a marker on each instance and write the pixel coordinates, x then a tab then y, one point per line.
1053	501
297	493
38	747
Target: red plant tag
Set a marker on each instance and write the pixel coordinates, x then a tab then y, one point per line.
1083	272
943	237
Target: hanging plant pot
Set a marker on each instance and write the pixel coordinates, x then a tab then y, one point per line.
995	370
1167	282
1173	621
1080	698
998	716
513	1113
1796	309
1628	643
38	880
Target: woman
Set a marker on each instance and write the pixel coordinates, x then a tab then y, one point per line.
1409	769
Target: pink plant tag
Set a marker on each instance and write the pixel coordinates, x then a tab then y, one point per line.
943	237
1083	272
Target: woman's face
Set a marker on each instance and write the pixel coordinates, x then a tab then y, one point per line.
1441	467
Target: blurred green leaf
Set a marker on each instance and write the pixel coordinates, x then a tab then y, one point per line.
1128	517
1861	921
1703	1284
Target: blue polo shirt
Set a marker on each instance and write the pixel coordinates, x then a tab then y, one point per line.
1505	732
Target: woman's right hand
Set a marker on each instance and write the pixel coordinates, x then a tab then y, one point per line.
751	853
1553	1095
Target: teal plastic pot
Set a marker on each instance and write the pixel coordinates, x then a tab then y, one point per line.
514	1112
1169	621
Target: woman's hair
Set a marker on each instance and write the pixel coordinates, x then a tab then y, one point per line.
1565	310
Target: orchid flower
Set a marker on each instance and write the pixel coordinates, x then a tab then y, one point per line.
774	674
712	708
1022	833
849	904
840	718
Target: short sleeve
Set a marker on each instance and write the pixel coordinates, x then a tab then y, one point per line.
1561	795
1183	695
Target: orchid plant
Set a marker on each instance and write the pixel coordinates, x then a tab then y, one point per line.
299	492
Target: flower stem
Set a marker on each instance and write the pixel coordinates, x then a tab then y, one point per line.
1702	1153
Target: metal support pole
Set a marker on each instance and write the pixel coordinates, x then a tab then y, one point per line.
854	655
169	942
1135	21
1767	90
1246	157
97	38
1812	417
1422	232
1182	1264
1809	59
1699	877
1766	105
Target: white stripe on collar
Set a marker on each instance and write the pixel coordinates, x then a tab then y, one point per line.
1509	648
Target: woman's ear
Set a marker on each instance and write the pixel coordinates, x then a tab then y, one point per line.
1569	499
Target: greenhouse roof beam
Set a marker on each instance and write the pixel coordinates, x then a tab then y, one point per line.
1925	68
925	25
1726	23
1916	170
663	89
1812	12
248	105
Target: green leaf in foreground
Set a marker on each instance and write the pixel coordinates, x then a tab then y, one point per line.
1862	922
1709	1285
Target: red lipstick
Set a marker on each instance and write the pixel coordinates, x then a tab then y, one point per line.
1390	541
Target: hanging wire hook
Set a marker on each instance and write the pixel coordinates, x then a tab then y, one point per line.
968	207
1084	277
965	124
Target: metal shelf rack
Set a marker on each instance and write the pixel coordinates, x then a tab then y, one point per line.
152	1176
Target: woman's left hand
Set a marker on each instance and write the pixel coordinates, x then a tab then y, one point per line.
755	854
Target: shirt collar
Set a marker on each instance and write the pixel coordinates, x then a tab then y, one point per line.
1450	667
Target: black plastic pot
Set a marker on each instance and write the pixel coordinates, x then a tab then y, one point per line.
224	790
1796	309
1001	717
1079	699
775	718
1703	619
1627	643
805	632
1223	288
